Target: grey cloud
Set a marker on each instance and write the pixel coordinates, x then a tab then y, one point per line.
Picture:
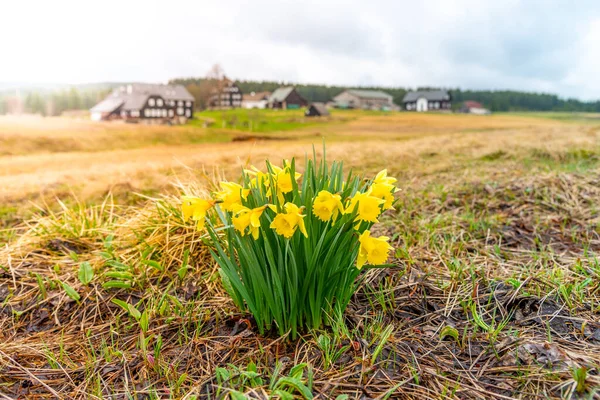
509	44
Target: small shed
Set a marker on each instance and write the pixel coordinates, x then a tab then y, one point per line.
317	110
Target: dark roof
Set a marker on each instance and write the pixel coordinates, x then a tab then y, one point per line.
135	95
321	109
280	94
369	94
107	105
431	95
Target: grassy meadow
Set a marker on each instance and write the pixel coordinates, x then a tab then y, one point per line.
494	292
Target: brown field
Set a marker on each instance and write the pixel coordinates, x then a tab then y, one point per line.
38	155
494	290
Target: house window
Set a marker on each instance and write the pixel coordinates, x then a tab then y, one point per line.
171	113
159	102
180	110
188	113
123	113
180	103
151	102
164	112
188	103
135	113
436	104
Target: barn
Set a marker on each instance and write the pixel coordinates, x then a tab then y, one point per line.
287	98
317	110
364	99
144	101
427	100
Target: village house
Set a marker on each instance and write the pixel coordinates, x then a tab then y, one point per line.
317	110
473	107
256	100
146	102
226	95
287	98
427	100
364	99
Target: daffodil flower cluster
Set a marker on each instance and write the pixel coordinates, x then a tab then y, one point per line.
290	246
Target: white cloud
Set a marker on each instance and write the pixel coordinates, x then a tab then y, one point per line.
524	45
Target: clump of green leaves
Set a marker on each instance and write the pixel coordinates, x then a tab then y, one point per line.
291	246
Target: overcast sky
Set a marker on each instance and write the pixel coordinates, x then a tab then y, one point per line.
550	46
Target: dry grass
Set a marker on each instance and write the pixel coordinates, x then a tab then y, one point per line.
495	294
98	162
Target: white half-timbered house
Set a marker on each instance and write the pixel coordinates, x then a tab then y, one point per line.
143	101
427	100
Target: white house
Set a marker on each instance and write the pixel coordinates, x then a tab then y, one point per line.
256	100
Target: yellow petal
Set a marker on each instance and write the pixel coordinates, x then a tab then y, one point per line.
302	227
361	260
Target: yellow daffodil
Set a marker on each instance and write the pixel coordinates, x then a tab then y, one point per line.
231	195
245	217
283	179
259	177
369	207
327	205
195	208
383	191
372	250
285	224
382	177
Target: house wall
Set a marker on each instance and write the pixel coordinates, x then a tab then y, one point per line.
354	101
156	108
376	103
293	100
229	97
347	99
254	104
431	105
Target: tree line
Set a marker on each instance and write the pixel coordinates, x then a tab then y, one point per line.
495	100
84	97
51	103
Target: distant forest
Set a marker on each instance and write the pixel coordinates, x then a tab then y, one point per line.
52	102
83	97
